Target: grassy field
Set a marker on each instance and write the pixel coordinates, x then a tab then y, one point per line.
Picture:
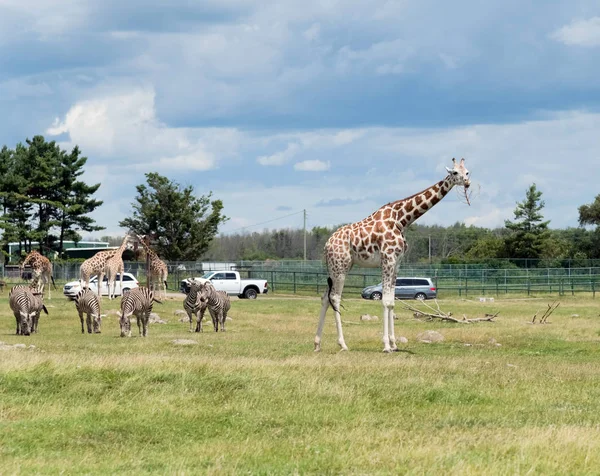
506	397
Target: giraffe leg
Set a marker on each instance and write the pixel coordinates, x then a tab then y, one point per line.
100	281
388	284
336	300
324	307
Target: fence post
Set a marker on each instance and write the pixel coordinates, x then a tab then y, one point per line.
294	275
273	281
593	288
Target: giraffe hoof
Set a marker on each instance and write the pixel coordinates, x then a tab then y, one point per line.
387	351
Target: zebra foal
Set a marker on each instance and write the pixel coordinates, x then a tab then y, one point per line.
86	302
194	306
218	304
137	302
26	307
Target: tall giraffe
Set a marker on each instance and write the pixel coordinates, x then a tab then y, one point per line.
41	271
158	270
115	265
378	240
94	266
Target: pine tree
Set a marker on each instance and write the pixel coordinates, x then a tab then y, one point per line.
182	224
529	230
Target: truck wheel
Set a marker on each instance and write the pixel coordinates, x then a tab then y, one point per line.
250	293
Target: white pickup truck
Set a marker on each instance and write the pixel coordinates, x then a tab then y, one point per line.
231	283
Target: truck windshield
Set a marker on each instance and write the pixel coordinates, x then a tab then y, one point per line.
208	274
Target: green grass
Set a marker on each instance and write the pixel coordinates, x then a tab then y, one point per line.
257	400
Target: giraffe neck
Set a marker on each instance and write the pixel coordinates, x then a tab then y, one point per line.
121	248
149	251
411	208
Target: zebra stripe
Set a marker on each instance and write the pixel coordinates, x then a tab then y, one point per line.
194	306
137	302
26	308
86	302
218	304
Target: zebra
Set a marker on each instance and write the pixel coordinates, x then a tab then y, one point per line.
137	302
26	308
86	302
194	306
218	304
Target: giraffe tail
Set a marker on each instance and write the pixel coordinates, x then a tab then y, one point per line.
166	287
53	283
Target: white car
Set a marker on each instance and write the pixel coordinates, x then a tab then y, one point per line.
129	282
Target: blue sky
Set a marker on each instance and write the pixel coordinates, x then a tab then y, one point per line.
336	107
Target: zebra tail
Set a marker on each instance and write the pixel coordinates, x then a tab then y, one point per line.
45	310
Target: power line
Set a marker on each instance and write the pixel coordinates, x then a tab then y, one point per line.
268	221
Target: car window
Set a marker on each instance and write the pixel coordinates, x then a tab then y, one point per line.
421	282
127	278
219	276
403	282
229	275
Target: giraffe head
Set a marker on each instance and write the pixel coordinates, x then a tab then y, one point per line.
458	174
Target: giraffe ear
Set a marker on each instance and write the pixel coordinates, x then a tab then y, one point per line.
449	170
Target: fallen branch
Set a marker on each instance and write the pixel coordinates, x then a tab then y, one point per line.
544	319
444	316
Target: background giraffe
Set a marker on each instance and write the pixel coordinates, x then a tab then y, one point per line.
378	240
94	266
41	271
158	271
115	265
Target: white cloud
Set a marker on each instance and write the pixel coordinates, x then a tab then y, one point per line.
124	129
281	157
312	166
312	33
580	33
386	57
198	160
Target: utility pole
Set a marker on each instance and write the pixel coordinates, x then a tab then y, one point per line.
305	234
429	249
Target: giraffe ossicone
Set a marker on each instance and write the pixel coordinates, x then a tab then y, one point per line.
378	241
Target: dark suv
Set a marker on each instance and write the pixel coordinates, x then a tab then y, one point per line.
406	288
